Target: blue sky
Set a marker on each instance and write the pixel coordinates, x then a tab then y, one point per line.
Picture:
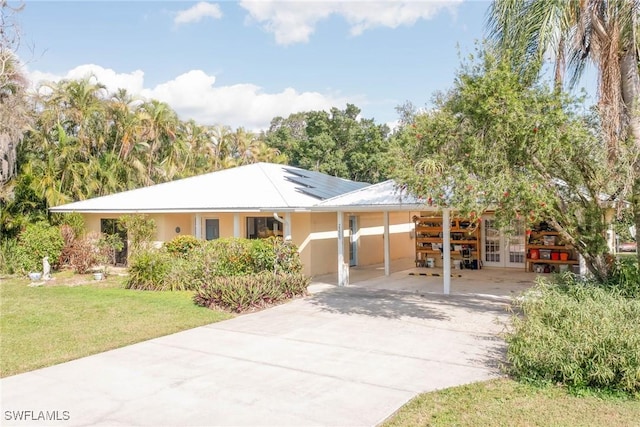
243	63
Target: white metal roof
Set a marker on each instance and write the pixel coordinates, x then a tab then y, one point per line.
387	195
255	187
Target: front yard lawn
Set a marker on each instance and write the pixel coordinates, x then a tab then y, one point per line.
44	326
505	402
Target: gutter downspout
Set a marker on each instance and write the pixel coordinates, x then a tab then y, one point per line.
286	222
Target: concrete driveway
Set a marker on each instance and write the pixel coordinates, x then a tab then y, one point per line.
341	357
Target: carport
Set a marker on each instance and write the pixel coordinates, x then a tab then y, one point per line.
385	197
406	277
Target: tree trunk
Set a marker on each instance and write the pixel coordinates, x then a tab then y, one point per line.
630	88
598	262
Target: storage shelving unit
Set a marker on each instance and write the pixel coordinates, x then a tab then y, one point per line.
464	235
546	252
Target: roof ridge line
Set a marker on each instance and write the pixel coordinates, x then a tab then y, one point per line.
284	199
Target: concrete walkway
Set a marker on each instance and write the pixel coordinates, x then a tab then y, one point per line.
340	357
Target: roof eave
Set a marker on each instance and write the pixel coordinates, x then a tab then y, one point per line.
373	208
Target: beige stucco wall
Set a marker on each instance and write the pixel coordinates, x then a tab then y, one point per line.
168	223
314	233
300	236
322	239
371	237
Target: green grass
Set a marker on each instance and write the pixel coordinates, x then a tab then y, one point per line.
44	326
505	402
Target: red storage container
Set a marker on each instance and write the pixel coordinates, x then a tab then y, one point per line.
555	256
564	256
534	254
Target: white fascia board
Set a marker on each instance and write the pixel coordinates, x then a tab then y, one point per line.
153	211
372	208
287	209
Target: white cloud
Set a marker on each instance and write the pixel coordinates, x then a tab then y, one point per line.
198	12
290	21
295	21
133	82
194	95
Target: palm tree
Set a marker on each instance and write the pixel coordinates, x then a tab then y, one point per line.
80	106
220	146
159	124
125	122
14	112
14	105
245	147
605	33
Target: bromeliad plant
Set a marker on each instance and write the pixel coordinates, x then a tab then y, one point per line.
255	291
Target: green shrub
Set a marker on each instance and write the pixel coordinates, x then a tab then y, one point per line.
157	270
625	277
579	335
182	245
140	231
229	257
287	256
183	274
149	270
237	257
35	242
72	220
242	293
8	256
171	270
222	257
262	254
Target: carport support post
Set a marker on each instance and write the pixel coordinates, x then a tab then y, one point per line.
342	277
446	250
198	228
387	252
236	225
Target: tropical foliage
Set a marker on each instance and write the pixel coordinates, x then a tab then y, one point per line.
36	242
242	293
576	33
87	142
14	105
338	143
181	265
577	334
498	141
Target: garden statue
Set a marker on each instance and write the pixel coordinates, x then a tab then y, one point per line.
46	269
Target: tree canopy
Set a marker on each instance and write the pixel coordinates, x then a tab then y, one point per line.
337	143
86	142
605	34
497	142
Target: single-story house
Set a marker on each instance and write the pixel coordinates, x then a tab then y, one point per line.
377	221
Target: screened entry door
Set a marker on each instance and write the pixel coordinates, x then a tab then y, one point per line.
503	248
353	241
211	228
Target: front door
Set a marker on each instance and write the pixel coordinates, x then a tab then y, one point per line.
211	228
112	226
503	248
353	241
